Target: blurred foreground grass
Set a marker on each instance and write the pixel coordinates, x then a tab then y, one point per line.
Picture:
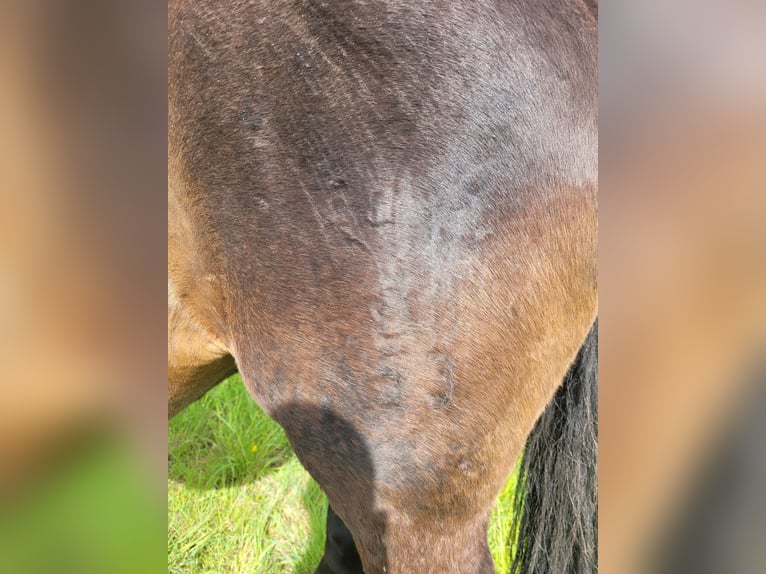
91	513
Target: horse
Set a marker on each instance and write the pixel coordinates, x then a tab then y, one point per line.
383	215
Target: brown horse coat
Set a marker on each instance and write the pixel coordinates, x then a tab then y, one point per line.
384	216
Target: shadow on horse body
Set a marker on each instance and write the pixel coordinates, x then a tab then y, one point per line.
384	217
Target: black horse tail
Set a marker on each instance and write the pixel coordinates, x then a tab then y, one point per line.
556	502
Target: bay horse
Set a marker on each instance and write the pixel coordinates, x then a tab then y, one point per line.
383	215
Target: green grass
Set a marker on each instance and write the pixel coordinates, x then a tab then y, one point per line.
89	510
240	502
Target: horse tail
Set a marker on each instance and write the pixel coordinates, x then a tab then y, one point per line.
556	501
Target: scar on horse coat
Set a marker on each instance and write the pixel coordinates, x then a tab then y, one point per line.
384	216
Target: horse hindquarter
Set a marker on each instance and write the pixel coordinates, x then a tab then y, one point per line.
391	224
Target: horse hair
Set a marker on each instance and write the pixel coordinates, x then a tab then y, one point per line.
556	504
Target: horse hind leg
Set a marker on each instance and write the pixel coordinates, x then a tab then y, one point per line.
404	529
196	363
340	554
